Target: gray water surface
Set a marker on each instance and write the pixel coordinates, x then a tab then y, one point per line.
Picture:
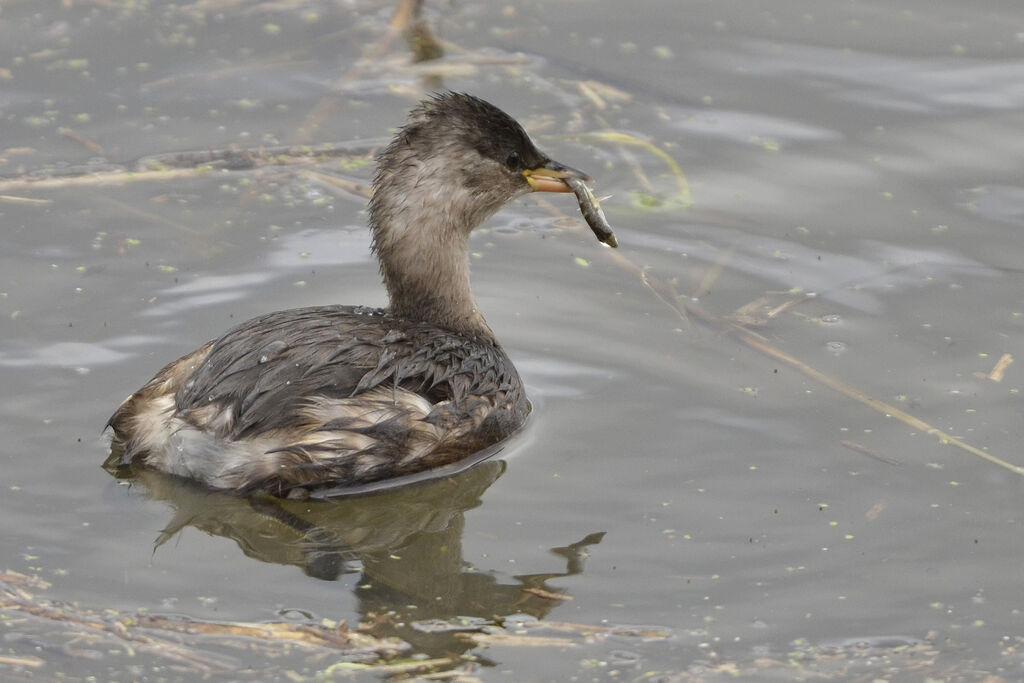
861	161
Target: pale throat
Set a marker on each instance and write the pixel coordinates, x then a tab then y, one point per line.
424	259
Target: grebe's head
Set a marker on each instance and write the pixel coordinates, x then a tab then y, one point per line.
458	159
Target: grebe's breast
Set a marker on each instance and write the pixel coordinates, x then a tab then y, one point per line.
315	396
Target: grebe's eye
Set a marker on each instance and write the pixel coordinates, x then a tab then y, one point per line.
513	162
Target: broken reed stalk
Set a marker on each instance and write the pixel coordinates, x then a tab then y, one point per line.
758	343
177	165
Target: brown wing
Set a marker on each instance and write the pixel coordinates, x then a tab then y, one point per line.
267	369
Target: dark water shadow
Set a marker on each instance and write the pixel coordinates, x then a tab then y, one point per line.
405	544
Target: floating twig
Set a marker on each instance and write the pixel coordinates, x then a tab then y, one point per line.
91	145
178	165
515	640
1000	367
348	186
11	199
28	662
863	450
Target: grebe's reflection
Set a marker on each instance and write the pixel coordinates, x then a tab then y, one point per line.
406	543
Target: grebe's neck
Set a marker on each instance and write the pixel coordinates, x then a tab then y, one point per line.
422	244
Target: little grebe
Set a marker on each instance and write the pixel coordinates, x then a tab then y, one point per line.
340	395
